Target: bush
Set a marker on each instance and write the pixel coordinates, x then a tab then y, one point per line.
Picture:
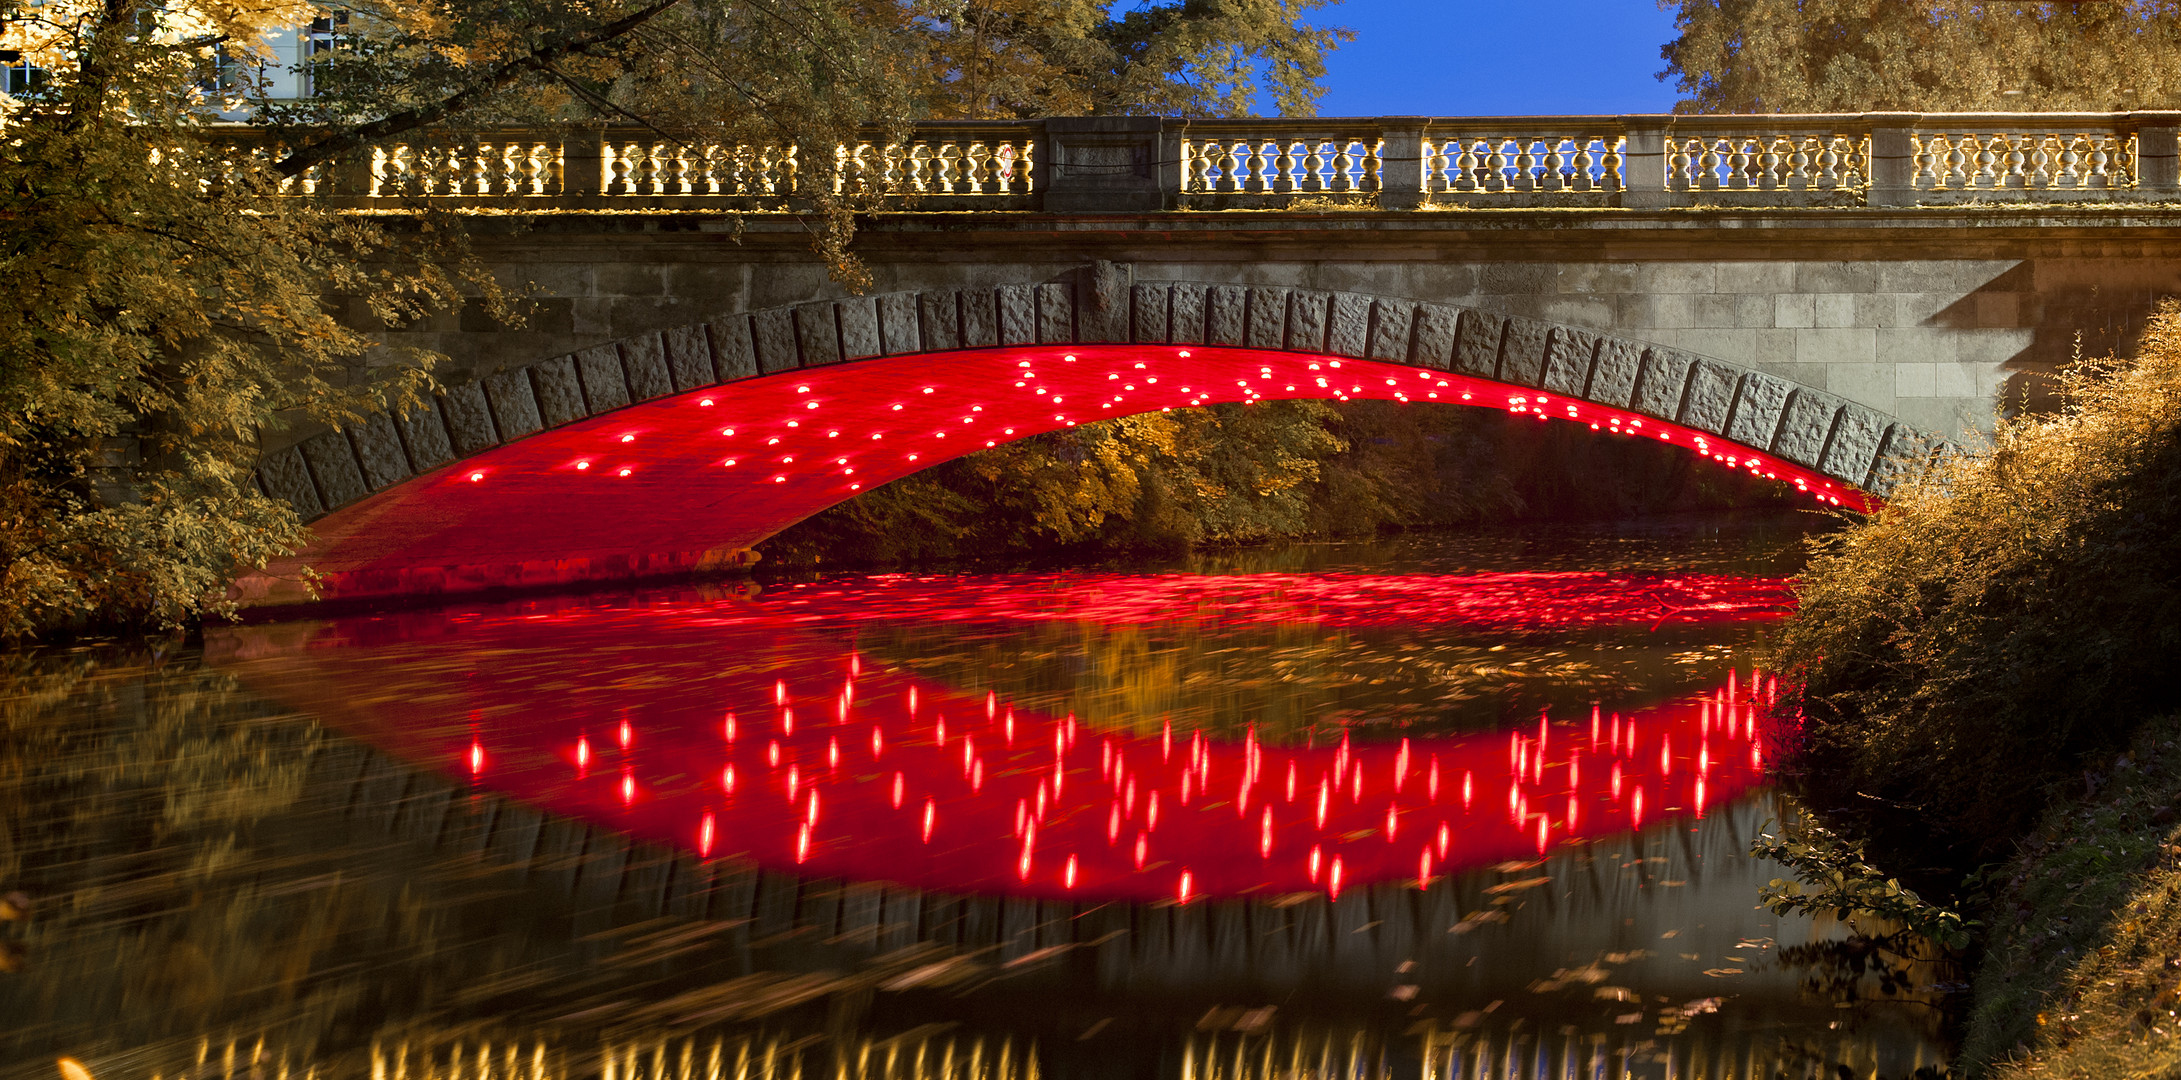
2010	611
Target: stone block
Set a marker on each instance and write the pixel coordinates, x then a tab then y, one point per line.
1758	402
333	464
1306	320
514	407
1904	453
1805	424
689	358
469	419
1186	321
424	435
283	476
643	361
1915	380
1018	314
378	451
1953	380
1613	374
1437	332
1710	398
1348	325
1853	446
1832	310
1148	312
1226	315
734	348
605	388
1568	355
1794	311
774	332
1522	351
1267	324
1103	315
817	333
1836	277
859	328
897	324
1055	314
1661	382
1476	350
980	319
1389	332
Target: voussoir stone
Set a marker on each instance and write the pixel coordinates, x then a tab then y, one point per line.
1853	446
1437	333
643	360
817	333
941	317
734	347
332	463
1661	382
1476	350
1267	327
1148	303
1306	320
1226	315
514	407
897	324
859	327
605	388
774	331
1710	398
1567	360
1018	315
283	476
1758	402
1613	376
424	435
980	319
1348	326
1390	321
1055	314
379	452
689	358
1187	313
1805	423
1522	352
469	419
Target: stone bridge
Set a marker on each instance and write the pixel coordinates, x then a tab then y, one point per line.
1821	299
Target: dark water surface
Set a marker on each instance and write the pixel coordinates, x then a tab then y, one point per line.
1427	807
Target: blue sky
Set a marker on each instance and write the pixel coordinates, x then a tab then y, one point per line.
1496	57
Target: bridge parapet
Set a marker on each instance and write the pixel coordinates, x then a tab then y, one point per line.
1138	164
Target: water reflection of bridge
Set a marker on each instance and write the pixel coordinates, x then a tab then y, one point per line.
849	940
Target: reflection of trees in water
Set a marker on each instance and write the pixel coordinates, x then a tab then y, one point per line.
1297	680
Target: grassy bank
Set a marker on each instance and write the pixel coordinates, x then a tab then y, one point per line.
2083	955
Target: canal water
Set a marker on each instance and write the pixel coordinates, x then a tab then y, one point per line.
1429	806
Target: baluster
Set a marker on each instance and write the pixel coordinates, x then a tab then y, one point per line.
1340	179
1285	167
945	164
1613	163
982	168
1677	164
1467	163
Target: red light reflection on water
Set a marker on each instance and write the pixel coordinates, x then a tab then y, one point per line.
785	747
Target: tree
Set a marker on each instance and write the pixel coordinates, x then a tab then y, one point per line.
1924	55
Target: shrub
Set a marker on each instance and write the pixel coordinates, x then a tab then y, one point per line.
2009	611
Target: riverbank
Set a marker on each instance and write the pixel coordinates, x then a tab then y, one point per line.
2080	970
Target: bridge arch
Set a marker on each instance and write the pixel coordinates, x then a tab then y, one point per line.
679	450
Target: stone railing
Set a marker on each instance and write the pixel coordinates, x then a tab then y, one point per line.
1137	164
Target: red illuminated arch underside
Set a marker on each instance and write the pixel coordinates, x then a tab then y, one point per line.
672	482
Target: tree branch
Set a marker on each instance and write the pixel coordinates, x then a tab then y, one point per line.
539	60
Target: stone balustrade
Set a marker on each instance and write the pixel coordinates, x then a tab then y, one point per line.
1147	164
